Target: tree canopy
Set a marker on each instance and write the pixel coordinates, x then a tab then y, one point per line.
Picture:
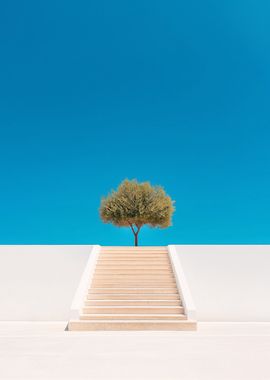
136	204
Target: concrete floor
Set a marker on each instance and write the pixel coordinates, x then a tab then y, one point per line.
218	351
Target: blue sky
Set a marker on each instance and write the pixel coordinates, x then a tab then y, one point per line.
174	92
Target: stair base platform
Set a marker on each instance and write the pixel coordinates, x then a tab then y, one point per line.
135	325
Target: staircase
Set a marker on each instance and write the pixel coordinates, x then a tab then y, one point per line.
133	288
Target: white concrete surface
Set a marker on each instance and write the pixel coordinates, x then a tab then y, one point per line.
218	351
182	284
84	283
228	282
38	282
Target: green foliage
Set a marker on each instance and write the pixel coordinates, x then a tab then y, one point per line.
135	204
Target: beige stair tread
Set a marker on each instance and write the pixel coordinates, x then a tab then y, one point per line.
140	307
135	254
130	270
133	302
122	275
132	252
136	276
135	325
133	309
132	248
119	296
133	272
132	285
143	256
126	253
133	316
146	259
134	290
134	279
133	260
138	252
133	266
138	280
138	255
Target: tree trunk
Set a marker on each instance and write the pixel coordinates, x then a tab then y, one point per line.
136	240
135	233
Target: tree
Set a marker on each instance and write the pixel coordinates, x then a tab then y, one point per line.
136	204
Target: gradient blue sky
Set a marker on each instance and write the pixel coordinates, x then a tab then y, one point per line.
175	92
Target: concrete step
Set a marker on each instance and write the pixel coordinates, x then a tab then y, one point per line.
133	285
133	261
133	248
135	276
135	290
139	280
124	253
134	257
128	252
141	253
134	325
131	271
134	251
133	316
133	303
132	265
133	310
135	254
134	279
146	296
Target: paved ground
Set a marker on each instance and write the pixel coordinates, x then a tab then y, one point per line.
217	351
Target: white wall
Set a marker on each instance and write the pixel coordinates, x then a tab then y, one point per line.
39	282
228	282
